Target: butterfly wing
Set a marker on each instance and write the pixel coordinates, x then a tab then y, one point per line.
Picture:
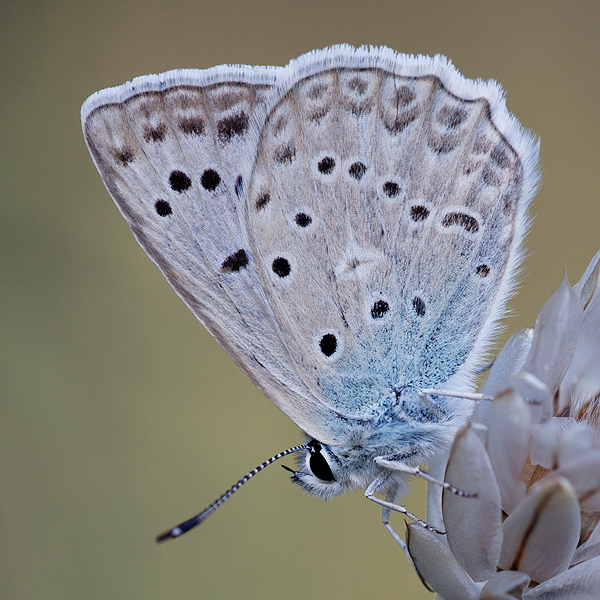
345	227
386	210
174	151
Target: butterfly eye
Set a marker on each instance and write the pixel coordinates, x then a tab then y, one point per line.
319	466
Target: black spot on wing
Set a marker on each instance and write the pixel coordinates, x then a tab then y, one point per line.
234	125
419	306
318	90
236	261
379	309
262	200
155	134
357	170
318	114
281	267
163	208
419	212
179	181
391	189
191	125
501	157
328	344
467	222
490	176
124	155
482	270
210	179
239	186
326	165
358	85
442	144
303	220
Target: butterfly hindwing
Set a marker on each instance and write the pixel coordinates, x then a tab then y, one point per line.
386	213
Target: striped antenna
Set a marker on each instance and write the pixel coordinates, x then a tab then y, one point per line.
182	528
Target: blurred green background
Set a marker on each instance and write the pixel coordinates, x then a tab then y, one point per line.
120	415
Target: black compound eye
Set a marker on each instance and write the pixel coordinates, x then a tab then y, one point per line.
320	467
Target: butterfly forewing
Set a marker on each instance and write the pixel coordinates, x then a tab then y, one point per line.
172	166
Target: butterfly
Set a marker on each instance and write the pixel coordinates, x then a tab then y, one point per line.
347	227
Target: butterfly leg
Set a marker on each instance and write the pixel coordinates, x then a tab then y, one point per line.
391	462
385	519
378	483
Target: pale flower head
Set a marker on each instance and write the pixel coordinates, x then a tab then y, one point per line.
532	456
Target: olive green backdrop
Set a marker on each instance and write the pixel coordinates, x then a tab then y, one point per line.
119	415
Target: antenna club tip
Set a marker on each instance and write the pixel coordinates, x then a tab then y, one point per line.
169	535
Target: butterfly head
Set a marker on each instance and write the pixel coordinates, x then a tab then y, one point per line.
326	471
319	471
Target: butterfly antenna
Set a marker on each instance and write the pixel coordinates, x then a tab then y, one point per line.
203	515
